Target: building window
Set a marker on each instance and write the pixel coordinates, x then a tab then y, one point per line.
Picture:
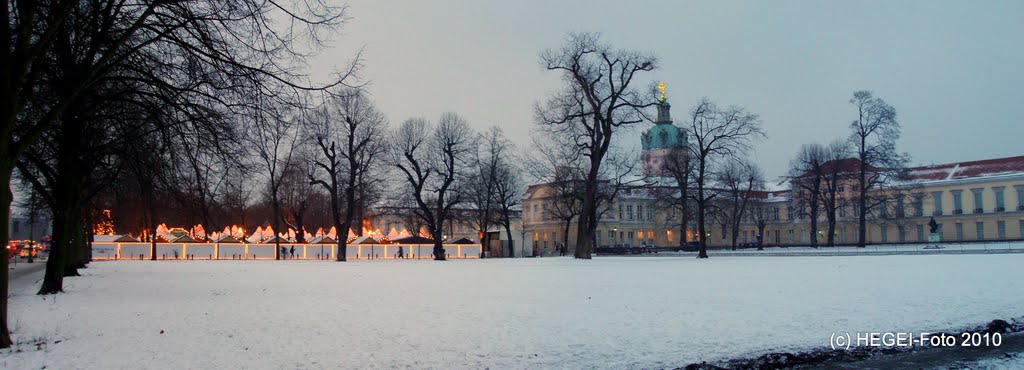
959	231
1020	227
1001	229
937	201
535	214
792	237
856	188
789	213
840	189
919	205
775	213
842	211
620	212
650	213
883	206
978	200
980	226
778	241
1000	201
903	232
885	233
630	236
1020	199
920	233
15	226
899	207
958	205
611	235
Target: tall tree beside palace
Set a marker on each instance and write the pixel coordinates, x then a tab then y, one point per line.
598	97
873	137
716	134
806	179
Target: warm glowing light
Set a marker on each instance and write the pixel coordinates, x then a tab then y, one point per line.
661	87
105	226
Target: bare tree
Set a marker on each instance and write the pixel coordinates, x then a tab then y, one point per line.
433	161
837	172
508	196
298	194
873	137
679	168
807	173
349	140
276	137
760	212
739	179
101	40
716	133
562	168
598	97
482	185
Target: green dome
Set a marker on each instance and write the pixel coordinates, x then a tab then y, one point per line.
664	135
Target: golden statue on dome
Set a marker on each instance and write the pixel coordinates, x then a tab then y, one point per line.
661	87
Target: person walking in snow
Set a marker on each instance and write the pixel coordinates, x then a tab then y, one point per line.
284	253
292	252
401	253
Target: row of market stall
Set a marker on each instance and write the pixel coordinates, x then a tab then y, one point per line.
125	247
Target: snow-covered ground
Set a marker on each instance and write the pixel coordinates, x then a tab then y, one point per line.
611	312
917	248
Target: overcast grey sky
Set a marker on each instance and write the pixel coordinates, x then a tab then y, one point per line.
952	69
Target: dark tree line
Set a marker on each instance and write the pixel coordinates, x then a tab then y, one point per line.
97	93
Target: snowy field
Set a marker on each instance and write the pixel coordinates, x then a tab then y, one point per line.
611	312
874	249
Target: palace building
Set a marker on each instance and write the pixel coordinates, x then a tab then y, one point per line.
970	201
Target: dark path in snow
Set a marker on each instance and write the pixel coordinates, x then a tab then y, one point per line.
1009	354
26	274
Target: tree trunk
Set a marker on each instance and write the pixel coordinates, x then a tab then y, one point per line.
588	214
438	242
760	235
74	246
152	237
300	233
831	239
277	225
342	249
53	279
862	221
701	210
511	244
6	169
565	237
682	235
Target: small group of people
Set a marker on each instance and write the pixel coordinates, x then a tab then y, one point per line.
285	252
